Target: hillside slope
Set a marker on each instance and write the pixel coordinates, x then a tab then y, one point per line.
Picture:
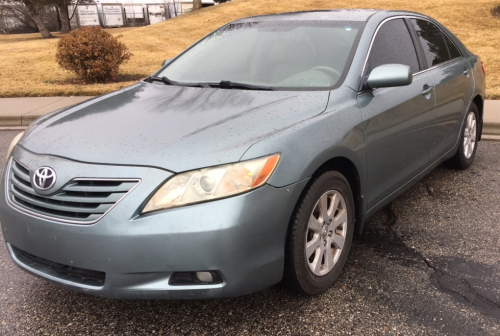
28	67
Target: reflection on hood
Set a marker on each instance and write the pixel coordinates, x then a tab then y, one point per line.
172	127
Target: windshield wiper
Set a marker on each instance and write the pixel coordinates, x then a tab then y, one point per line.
163	79
222	84
168	81
236	85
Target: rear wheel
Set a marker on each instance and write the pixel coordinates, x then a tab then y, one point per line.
320	235
468	141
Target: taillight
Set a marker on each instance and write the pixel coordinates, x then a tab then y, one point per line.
482	67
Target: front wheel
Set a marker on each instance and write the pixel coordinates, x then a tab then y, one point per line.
320	235
468	141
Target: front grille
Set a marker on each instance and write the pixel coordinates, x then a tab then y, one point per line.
70	273
81	201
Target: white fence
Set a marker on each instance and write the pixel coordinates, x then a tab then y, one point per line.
120	14
105	13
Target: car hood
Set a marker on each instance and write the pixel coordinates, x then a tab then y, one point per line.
171	127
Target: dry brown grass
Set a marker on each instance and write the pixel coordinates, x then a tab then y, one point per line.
28	66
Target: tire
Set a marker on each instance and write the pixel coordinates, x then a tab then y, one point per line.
468	141
315	273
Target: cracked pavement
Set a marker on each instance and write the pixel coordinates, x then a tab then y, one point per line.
427	264
453	274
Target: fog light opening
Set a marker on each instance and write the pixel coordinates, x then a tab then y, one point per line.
204	277
195	278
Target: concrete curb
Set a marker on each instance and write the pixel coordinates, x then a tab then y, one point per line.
23	111
491	120
491	128
18	120
488	137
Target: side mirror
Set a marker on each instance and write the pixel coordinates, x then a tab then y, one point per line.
390	75
165	62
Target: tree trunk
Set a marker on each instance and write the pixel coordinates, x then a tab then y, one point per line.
197	4
63	12
38	21
58	17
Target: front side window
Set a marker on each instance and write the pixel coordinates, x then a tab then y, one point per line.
281	54
432	41
393	45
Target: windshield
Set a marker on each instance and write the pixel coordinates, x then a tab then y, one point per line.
279	55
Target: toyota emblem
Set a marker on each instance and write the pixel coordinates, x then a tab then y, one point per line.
44	178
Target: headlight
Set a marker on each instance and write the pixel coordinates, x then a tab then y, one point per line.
213	183
13	144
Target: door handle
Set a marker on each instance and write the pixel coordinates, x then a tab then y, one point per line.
427	90
466	72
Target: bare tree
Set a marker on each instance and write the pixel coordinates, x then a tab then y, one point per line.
130	13
35	16
197	4
166	4
62	6
176	9
17	12
73	12
63	10
39	15
65	15
172	8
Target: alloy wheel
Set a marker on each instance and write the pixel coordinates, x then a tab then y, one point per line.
470	135
326	232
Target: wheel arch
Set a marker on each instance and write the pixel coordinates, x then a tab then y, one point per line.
479	101
347	168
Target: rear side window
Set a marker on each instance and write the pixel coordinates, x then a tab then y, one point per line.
454	53
393	45
432	41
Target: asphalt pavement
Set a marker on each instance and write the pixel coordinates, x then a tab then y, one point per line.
428	264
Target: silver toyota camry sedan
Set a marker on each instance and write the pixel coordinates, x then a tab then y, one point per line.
253	157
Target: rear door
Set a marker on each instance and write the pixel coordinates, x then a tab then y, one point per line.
454	85
398	121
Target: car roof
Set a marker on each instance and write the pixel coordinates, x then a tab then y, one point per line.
316	15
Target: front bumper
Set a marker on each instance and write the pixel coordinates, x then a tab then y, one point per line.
242	237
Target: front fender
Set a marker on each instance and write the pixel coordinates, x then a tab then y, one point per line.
306	146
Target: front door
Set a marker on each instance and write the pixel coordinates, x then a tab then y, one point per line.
398	121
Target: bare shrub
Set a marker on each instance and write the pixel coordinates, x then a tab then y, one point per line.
92	53
495	11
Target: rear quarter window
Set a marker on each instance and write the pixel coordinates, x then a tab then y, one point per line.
454	52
